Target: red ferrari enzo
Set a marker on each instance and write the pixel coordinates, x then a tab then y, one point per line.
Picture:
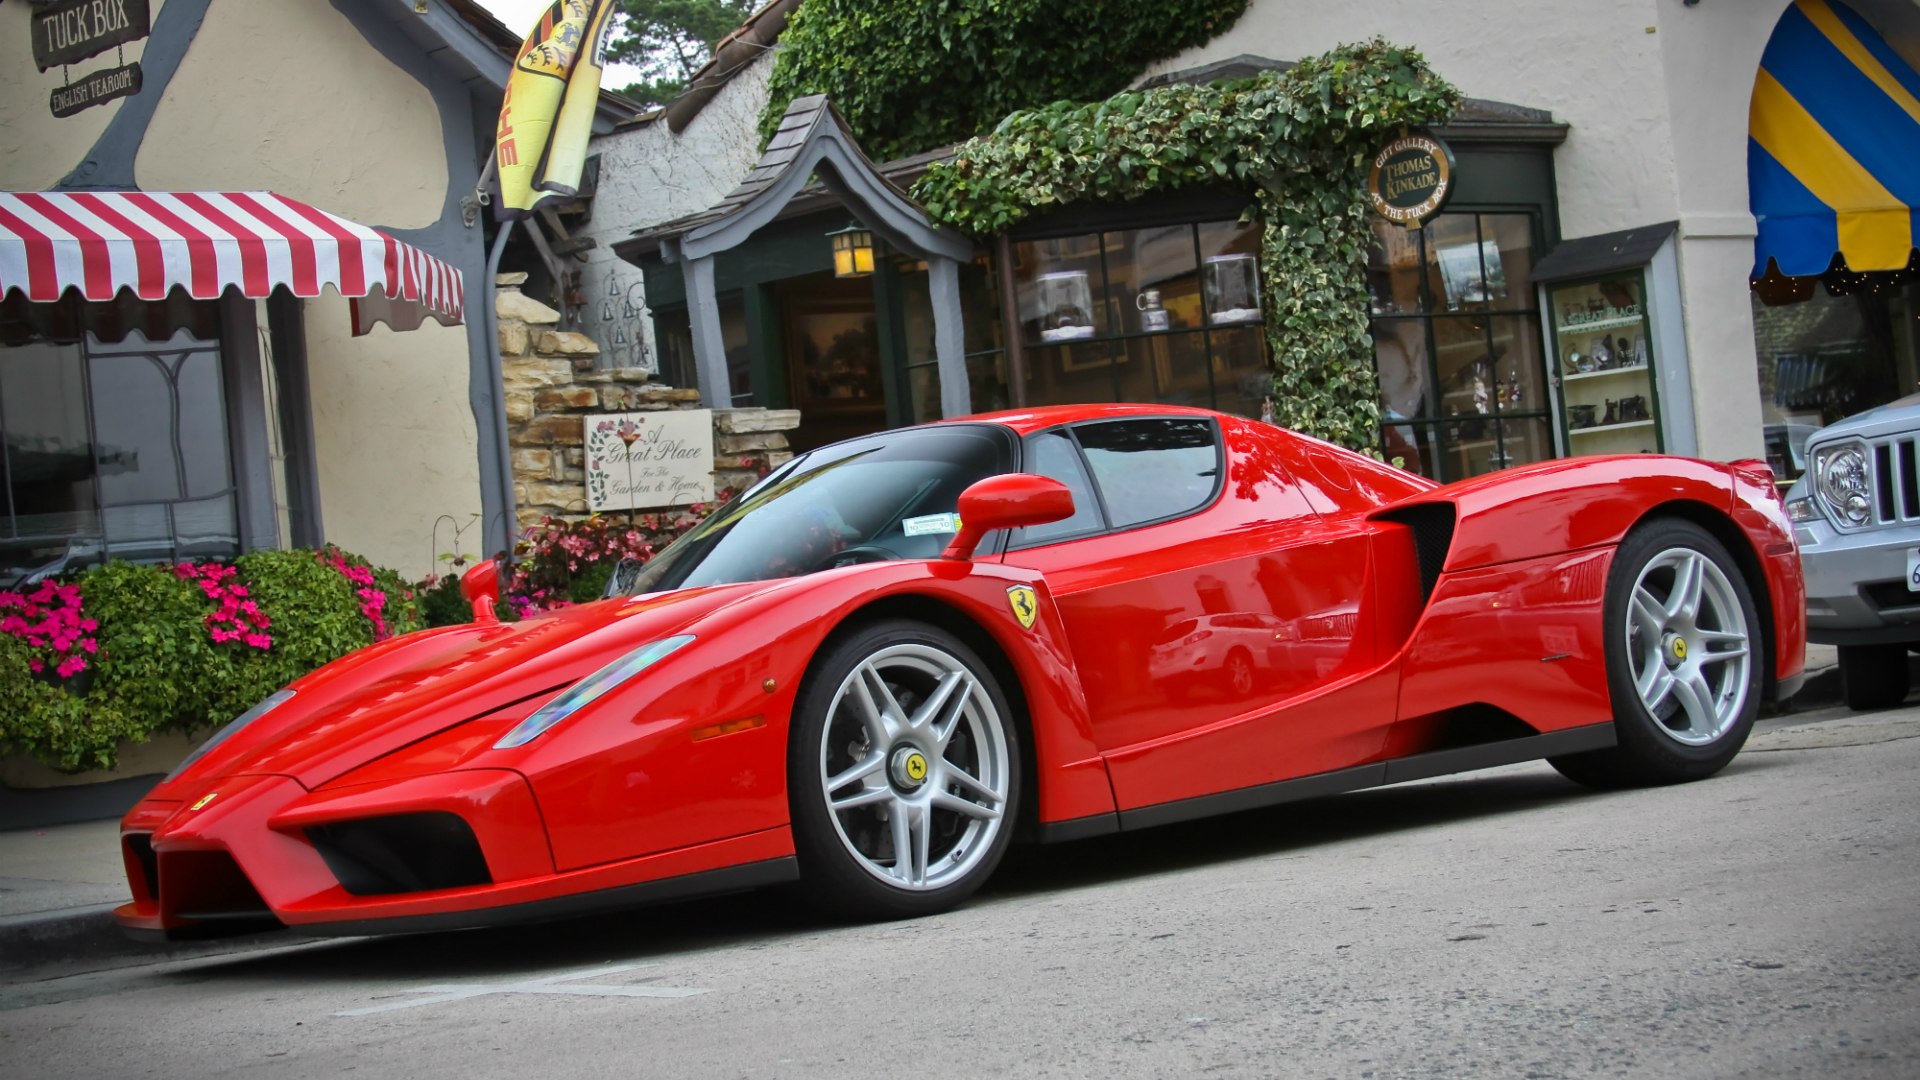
893	655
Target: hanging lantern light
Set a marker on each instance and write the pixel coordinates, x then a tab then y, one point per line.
613	286
630	311
606	311
852	252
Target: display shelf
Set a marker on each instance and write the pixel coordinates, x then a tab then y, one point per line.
1601	324
1597	429
1635	369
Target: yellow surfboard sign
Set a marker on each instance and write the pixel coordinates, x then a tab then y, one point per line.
540	145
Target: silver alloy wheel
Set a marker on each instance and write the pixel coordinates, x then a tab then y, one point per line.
914	760
1688	646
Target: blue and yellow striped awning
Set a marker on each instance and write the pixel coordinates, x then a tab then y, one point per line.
1833	148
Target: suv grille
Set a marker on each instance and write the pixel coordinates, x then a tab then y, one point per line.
1896	496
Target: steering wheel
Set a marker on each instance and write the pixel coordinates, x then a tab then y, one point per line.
857	554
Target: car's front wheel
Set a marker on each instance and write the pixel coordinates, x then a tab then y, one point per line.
903	772
1684	660
1873	676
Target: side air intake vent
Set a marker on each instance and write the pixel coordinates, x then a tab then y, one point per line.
402	853
1432	525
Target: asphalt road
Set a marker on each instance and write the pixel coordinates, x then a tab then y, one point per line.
1503	924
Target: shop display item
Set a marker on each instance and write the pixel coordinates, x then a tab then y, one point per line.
1232	285
1066	305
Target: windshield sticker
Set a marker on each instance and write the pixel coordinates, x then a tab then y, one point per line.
931	525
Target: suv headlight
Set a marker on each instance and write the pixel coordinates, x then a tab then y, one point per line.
582	693
1842	482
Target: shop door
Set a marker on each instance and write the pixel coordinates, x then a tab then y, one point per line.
834	358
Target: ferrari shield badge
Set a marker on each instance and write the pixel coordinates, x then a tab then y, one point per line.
1021	599
204	800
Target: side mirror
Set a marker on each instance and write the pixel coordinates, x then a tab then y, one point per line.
481	587
1007	501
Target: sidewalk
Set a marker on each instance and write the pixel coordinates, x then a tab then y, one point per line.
59	885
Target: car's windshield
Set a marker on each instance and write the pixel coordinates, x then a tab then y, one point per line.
890	496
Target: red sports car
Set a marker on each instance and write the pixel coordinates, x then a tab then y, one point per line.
893	655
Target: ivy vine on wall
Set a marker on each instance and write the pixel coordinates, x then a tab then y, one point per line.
912	75
1300	140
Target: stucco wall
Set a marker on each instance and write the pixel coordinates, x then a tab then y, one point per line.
1594	65
392	432
291	98
36	150
649	175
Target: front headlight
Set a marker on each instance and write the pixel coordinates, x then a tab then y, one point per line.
1841	481
580	694
268	704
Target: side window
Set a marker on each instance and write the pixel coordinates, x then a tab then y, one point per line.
1052	454
1150	470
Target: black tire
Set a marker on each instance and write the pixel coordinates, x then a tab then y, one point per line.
1873	676
844	854
1672	743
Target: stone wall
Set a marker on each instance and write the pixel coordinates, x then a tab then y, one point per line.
551	387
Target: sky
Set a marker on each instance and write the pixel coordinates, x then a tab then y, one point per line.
520	15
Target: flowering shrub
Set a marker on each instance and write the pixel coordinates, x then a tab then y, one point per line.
373	600
49	621
237	618
560	562
178	648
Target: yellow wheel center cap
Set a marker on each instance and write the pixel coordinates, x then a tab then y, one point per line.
1679	648
909	768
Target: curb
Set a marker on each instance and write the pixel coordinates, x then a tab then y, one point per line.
88	934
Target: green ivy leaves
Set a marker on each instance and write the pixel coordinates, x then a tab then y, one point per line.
1299	139
911	75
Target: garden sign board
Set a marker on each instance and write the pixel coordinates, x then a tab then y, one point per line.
644	460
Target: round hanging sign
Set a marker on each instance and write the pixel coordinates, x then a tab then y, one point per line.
1411	179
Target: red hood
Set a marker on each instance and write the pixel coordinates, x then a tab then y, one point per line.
370	703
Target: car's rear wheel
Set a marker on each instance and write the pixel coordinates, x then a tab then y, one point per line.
903	771
1684	660
1873	676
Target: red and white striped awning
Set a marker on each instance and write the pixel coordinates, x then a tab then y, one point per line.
99	243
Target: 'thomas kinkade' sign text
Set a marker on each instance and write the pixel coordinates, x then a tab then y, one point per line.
637	461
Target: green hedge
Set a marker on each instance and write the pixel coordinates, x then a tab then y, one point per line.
156	666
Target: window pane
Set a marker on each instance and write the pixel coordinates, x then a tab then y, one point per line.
673	338
733	338
1507	254
51	488
1056	281
1155	284
1466	367
1230	272
1400	353
1152	469
1068	374
1524	442
1241	378
923	384
1170	368
987	375
1394	269
1518	367
1052	454
1412	447
1453	271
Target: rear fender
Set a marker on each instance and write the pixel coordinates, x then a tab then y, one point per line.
1565	505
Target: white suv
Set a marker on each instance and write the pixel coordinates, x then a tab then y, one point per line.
1856	513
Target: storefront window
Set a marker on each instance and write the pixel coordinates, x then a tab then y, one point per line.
1457	345
1830	356
114	451
1162	314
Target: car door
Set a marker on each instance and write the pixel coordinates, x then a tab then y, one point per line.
1204	599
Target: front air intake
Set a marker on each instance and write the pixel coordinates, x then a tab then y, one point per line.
403	853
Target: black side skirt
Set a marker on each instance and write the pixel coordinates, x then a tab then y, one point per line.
665	890
1399	770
